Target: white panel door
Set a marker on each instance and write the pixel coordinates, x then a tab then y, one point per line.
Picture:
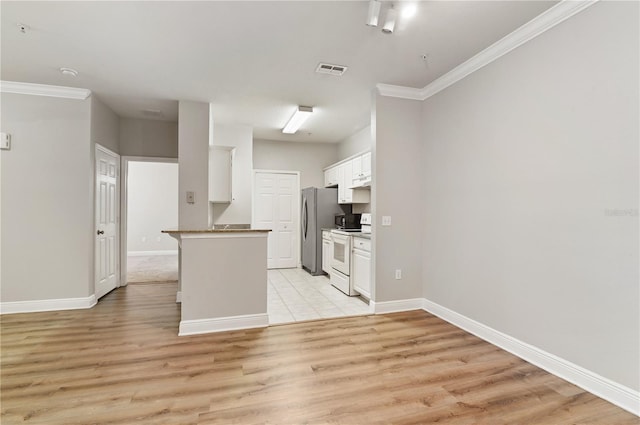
264	210
107	207
276	208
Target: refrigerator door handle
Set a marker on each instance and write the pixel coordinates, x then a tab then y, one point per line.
305	218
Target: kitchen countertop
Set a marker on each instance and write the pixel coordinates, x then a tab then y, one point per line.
354	234
215	231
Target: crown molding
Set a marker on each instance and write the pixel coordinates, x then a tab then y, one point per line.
538	25
44	90
402	92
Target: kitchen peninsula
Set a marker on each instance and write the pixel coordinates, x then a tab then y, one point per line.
223	279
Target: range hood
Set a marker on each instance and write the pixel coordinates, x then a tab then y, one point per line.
361	183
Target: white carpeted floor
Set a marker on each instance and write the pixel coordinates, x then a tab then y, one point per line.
152	268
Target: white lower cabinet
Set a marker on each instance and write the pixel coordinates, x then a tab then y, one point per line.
361	266
327	251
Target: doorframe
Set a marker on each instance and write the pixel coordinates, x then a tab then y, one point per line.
297	201
124	207
99	147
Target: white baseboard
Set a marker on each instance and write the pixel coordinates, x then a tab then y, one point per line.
148	253
179	297
220	324
613	392
11	307
396	306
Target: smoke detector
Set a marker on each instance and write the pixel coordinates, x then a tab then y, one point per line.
327	68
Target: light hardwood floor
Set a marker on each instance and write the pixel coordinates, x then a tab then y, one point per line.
123	363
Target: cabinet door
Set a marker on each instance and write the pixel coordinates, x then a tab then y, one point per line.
347	182
331	177
341	195
220	163
356	168
366	164
361	272
326	255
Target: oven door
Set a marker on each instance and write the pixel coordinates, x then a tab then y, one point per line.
341	253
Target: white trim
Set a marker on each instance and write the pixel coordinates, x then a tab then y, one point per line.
44	90
402	92
150	253
613	392
11	307
396	306
221	324
538	25
349	158
179	297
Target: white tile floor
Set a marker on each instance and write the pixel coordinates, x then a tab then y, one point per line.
294	295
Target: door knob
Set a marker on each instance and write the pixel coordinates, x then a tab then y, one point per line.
100	232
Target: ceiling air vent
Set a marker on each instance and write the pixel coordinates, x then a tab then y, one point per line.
152	113
327	68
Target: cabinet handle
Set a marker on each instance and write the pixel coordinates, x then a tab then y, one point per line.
100	232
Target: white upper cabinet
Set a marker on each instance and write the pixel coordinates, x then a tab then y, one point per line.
362	170
346	195
366	164
355	172
220	166
331	177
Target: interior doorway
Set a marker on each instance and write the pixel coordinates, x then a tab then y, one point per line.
150	205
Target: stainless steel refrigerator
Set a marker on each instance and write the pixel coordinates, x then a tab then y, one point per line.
319	208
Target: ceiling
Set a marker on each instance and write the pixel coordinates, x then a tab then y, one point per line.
253	60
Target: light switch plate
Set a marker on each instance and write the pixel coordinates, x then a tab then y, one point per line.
386	220
5	141
191	197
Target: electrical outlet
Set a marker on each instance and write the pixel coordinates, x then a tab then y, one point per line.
386	220
191	197
398	274
5	141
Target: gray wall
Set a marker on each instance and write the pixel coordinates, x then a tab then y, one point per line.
307	158
152	206
105	125
358	142
148	138
193	140
523	162
47	199
397	173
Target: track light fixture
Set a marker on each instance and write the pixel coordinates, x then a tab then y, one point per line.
390	21
374	13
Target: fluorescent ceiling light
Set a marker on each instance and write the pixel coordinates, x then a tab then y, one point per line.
374	12
298	118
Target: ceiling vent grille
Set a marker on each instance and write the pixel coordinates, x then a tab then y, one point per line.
327	68
152	113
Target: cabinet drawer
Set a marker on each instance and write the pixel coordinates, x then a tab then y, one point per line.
326	234
363	244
